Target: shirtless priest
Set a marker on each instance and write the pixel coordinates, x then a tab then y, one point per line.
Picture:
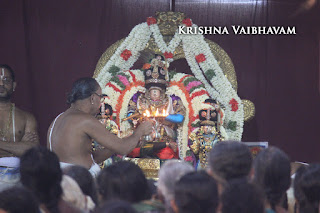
18	130
70	135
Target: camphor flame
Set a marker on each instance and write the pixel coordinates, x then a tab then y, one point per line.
148	114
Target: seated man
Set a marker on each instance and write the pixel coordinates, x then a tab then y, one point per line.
70	135
18	130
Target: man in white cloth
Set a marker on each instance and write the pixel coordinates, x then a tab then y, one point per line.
18	130
71	134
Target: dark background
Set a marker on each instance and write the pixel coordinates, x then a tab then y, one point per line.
50	44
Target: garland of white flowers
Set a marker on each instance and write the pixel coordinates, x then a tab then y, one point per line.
135	42
182	131
193	45
222	91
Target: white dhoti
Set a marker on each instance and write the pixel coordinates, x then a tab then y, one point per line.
9	172
94	169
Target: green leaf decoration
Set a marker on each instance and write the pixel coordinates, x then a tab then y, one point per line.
194	88
187	80
232	125
171	74
195	125
210	74
114	70
117	80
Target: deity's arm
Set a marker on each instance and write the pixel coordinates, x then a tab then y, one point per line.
175	118
195	143
179	113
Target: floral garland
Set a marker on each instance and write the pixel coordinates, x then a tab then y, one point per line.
182	131
199	57
134	81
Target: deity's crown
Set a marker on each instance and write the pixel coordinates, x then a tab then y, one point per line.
208	116
156	73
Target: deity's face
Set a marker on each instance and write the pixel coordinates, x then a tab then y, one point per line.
7	85
207	129
155	94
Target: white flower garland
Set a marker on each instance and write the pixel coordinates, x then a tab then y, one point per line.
183	131
137	40
223	92
175	41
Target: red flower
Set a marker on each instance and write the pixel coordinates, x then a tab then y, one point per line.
151	20
200	58
187	22
168	55
126	54
234	105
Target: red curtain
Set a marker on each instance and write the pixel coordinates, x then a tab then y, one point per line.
50	44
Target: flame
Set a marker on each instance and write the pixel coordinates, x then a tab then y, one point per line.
164	113
147	113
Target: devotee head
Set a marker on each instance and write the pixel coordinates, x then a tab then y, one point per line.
272	172
123	180
309	184
195	192
82	89
7	82
229	160
170	172
86	92
84	179
240	196
17	200
301	203
40	173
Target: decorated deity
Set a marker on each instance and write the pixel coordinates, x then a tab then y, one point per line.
166	111
105	118
205	137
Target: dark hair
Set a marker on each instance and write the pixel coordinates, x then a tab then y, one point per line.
123	180
310	187
40	172
84	179
210	101
230	159
240	196
82	89
152	188
116	206
10	70
301	200
196	192
17	200
272	173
